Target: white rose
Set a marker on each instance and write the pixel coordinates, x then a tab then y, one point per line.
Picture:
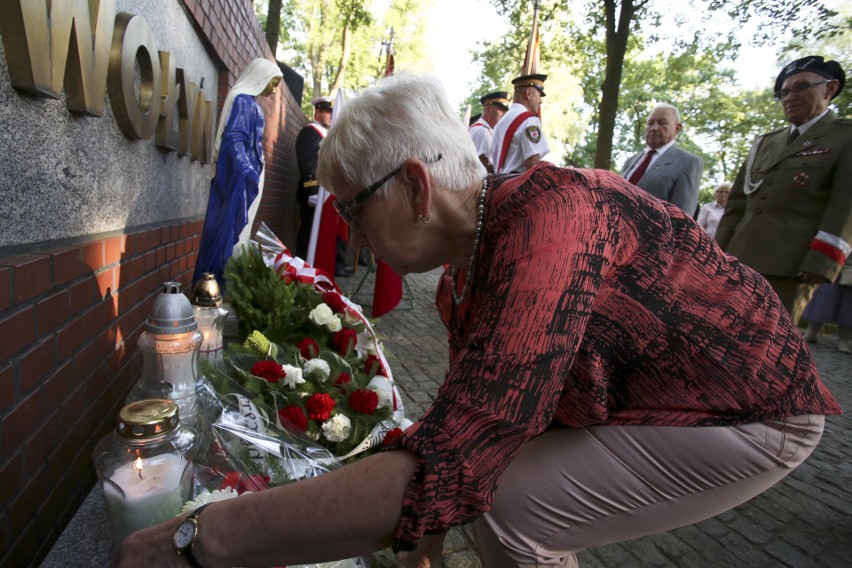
293	376
317	369
383	388
321	315
353	319
337	428
366	341
333	325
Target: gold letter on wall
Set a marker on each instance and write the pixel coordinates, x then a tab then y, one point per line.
42	51
135	113
168	135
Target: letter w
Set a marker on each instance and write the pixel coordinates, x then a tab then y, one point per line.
71	46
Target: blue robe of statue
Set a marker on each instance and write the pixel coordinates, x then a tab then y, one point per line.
234	188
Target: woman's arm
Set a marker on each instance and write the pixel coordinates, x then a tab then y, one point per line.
340	514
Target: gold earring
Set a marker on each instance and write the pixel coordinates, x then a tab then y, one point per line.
425	220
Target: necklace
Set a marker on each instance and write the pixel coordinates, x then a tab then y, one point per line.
459	298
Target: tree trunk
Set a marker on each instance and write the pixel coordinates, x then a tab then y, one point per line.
273	25
346	52
617	35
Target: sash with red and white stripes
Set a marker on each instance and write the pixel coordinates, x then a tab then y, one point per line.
507	137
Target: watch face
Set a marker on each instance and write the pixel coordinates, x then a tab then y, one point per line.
184	535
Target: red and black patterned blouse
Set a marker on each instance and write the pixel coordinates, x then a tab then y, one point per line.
594	303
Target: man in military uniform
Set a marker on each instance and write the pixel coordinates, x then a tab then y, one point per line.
307	147
789	215
518	142
494	106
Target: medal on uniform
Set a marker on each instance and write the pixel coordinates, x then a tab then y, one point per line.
801	179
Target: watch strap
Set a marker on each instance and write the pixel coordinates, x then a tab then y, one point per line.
187	553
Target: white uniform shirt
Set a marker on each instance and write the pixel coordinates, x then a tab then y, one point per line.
527	141
480	133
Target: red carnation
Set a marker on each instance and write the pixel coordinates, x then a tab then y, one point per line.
390	436
242	482
345	341
343	379
370	363
308	348
293	418
319	407
269	370
364	401
334	301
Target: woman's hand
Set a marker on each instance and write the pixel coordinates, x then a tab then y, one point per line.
429	551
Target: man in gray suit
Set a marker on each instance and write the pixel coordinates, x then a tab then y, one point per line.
664	169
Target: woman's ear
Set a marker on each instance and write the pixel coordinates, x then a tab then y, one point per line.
415	174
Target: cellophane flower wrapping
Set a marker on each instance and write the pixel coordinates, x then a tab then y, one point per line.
305	389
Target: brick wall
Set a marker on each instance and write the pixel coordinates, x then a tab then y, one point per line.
71	315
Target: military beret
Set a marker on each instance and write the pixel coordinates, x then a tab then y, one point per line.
814	64
536	80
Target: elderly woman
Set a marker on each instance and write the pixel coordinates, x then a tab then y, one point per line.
711	213
612	373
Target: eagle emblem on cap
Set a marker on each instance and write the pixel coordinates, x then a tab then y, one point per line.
533	133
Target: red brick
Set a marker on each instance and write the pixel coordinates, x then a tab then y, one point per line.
93	355
106	282
7	387
40	444
73	407
69	339
66	265
17	331
129	271
58	386
36	363
114	249
51	312
12	474
93	256
20	553
21	421
161	256
31	276
84	294
23	507
5	287
97	318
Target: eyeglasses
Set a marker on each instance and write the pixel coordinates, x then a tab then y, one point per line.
798	88
346	209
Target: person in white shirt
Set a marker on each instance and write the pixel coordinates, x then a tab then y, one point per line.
494	106
519	143
711	213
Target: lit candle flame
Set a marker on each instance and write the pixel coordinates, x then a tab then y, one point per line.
137	465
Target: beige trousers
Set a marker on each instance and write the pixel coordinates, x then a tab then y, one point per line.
575	488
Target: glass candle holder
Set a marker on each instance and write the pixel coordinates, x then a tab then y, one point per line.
145	466
207	306
169	348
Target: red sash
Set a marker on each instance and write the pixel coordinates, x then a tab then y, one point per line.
507	138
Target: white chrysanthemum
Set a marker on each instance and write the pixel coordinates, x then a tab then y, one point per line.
321	315
337	428
212	497
293	376
366	341
317	369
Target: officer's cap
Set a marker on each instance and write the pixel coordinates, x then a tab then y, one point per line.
499	99
324	103
535	80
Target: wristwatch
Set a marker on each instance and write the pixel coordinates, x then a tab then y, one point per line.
186	535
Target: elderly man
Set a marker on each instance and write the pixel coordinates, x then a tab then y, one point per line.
664	169
789	215
494	106
519	142
711	213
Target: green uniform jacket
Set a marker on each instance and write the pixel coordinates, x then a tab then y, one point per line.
793	213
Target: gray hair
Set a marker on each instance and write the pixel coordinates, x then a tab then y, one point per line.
399	117
724	185
668	107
